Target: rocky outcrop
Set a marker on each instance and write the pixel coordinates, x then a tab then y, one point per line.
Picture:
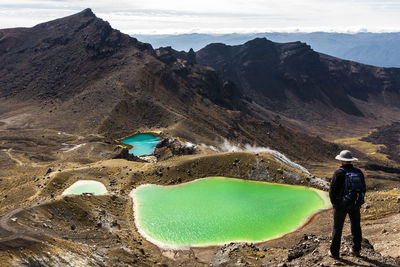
225	256
124	154
305	246
318	183
191	57
259	171
311	250
170	147
220	91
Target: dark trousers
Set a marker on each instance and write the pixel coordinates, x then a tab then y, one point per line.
338	220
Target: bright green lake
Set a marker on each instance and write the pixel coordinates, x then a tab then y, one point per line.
143	144
218	210
86	186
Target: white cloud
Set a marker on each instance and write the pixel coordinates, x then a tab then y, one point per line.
221	16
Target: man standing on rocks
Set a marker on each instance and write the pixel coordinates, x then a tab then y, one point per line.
346	193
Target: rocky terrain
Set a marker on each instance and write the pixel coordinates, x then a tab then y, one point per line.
103	225
109	84
72	87
321	93
389	136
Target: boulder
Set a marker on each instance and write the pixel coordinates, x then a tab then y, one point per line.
124	154
170	147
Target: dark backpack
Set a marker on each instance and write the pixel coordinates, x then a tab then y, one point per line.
354	189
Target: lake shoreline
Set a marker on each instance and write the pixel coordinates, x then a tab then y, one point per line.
165	246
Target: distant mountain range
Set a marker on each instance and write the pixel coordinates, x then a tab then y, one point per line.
378	49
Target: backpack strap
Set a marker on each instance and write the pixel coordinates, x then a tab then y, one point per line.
346	181
347	169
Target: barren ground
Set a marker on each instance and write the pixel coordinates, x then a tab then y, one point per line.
39	226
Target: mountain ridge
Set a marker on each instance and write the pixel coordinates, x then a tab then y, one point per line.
302	84
93	65
100	81
377	49
49	44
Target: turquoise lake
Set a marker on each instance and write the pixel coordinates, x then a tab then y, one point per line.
218	210
86	186
143	144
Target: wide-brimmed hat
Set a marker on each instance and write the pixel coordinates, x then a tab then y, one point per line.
345	155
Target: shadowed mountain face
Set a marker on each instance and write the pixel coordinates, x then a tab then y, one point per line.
40	62
389	135
78	75
281	76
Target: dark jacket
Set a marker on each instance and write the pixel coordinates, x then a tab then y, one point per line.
336	190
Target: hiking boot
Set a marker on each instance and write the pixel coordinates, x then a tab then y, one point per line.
335	256
356	253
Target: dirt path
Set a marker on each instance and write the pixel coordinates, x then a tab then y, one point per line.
19	162
8	152
14	236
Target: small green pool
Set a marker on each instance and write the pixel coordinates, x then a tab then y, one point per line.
219	210
86	186
143	144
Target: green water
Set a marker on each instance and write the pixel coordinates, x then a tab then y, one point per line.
218	210
86	186
143	144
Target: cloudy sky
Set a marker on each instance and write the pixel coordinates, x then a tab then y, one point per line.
214	16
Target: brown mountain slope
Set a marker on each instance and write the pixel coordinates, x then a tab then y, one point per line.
78	75
312	88
40	62
389	135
